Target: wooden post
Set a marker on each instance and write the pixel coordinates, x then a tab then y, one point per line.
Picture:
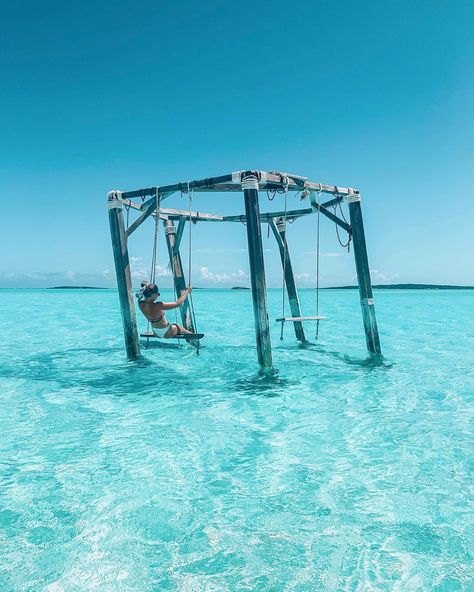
122	270
278	227
178	275
363	275
257	270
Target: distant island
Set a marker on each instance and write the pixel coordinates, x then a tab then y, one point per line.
406	287
76	288
239	288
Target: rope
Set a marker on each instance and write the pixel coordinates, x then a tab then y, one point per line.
155	237
317	264
154	249
284	262
343	245
190	253
127	209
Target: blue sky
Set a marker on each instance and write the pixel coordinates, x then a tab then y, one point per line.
100	95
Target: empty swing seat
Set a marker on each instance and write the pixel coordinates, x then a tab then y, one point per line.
298	319
189	336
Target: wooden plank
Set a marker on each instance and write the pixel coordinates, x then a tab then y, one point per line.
173	214
124	280
267	216
187	336
279	232
363	278
257	277
298	319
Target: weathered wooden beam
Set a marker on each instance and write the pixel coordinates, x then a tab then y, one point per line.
333	202
329	214
173	214
193	185
179	234
231	182
278	229
148	208
257	272
267	216
363	277
122	270
132	204
178	274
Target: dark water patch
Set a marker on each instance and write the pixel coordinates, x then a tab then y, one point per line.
99	371
265	384
370	361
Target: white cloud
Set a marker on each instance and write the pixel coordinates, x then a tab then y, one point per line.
220	250
222	278
108	274
303	277
35	279
313	254
162	271
382	276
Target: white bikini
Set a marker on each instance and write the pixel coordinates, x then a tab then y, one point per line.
160	331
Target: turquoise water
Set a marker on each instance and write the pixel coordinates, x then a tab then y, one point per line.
194	473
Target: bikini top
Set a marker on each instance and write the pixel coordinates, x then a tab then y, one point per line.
158	320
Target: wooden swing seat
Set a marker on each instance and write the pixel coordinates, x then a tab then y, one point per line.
298	319
189	336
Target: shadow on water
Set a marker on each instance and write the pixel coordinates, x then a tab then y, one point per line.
99	370
371	361
267	383
155	345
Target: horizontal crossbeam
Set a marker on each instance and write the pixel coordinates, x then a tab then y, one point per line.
187	336
231	182
149	207
172	214
147	210
298	319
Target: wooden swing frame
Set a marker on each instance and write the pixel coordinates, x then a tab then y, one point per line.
250	183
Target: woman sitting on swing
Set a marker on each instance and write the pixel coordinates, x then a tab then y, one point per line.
155	311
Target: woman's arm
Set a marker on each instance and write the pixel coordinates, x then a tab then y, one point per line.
179	302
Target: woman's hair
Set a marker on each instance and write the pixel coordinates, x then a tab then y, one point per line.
149	289
146	290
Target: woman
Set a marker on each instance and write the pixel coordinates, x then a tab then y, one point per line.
155	311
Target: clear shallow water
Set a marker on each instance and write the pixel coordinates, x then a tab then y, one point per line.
191	473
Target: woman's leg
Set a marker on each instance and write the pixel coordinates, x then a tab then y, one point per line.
176	329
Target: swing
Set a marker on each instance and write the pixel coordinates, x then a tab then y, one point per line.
317	317
186	336
149	334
